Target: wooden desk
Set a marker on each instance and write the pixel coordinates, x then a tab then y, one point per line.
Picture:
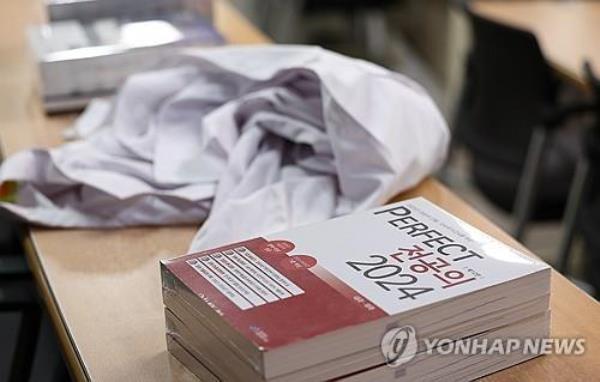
102	288
568	31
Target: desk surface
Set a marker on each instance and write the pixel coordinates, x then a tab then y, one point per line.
567	31
102	288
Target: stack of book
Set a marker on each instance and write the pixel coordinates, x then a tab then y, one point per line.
88	48
403	292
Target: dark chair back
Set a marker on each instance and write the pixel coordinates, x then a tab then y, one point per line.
508	87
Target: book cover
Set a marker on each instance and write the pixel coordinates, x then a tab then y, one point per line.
291	286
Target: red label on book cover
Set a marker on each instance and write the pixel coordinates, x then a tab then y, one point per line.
271	297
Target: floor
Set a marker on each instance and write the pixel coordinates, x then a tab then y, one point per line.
48	365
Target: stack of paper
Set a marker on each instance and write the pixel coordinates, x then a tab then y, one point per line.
403	292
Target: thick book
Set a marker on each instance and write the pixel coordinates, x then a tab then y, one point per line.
423	367
329	291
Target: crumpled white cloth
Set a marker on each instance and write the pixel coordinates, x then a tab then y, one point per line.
252	139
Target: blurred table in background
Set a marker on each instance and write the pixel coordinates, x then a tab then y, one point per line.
102	287
568	31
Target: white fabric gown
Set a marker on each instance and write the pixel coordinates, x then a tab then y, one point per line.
251	139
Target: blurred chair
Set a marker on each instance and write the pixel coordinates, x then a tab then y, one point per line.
18	295
590	213
583	209
509	118
367	19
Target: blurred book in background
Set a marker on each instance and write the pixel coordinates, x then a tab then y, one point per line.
89	47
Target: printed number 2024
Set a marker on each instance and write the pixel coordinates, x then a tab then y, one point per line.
389	276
